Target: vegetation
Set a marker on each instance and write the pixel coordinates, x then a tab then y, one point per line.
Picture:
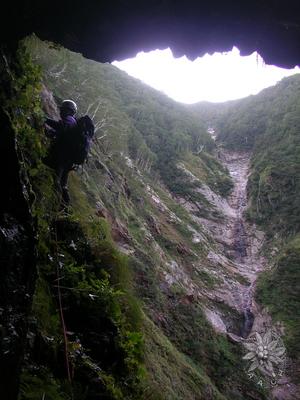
268	126
104	352
148	153
82	285
278	290
131	117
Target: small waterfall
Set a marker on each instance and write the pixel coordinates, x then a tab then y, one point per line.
248	316
247	323
240	248
240	242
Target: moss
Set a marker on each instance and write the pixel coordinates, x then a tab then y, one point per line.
99	309
208	279
45	312
172	375
40	384
210	171
219	359
25	112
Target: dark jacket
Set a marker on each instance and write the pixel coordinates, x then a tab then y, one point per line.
56	127
58	154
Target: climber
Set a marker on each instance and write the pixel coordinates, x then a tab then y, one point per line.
59	158
71	143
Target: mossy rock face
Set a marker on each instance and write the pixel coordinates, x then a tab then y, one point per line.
104	350
52	250
27	196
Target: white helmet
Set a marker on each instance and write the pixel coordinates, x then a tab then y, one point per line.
69	105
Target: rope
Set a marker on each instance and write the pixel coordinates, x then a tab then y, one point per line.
62	319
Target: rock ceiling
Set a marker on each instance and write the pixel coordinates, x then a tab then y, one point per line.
117	29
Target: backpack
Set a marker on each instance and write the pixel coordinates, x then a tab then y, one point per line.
76	142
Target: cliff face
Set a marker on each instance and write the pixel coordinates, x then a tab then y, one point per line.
17	224
39	248
146	288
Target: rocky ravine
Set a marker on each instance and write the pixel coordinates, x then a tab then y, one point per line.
239	255
233	247
245	241
233	258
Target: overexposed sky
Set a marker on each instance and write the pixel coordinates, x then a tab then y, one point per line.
218	77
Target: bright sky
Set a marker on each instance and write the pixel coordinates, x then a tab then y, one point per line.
218	77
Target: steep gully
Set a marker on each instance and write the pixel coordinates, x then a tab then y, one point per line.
244	252
237	253
242	243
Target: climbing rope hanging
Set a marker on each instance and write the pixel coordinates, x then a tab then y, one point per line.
61	313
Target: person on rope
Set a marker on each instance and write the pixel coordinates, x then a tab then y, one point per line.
71	139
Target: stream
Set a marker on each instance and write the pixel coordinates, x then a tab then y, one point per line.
244	250
245	243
